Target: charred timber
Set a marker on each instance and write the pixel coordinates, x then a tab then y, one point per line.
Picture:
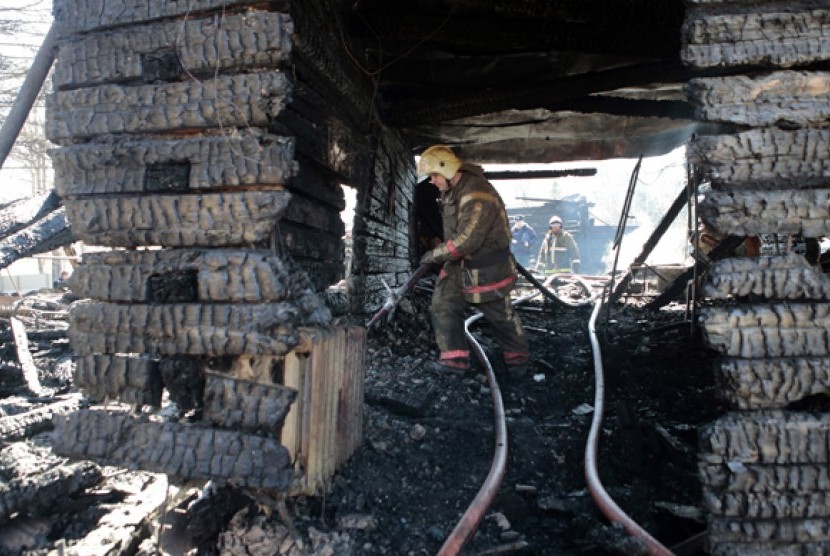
132	380
36	420
788	99
769	330
220	275
220	102
779	35
764	158
772	383
188	452
766	437
773	277
249	406
49	232
225	161
749	212
193	329
406	114
35	480
75	16
206	220
173	50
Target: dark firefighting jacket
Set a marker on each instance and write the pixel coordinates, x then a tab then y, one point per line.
477	236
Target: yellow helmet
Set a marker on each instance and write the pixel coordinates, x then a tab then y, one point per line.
438	159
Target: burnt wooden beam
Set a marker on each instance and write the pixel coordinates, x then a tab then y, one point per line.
721	250
540	174
673	109
675	208
482	32
422	112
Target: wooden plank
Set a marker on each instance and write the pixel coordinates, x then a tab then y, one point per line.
24	356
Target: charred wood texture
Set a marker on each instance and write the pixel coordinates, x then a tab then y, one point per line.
133	380
244	405
214	132
764	158
45	234
184	379
782	98
34	479
786	35
173	50
767	438
771	330
214	162
189	452
16	215
764	473
193	329
218	102
775	277
87	15
772	383
751	212
222	275
34	421
178	220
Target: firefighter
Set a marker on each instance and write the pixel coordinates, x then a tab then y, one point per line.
477	267
558	252
523	237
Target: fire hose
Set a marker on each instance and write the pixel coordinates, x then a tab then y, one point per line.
605	503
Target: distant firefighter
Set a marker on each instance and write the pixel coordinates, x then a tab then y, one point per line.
524	236
558	252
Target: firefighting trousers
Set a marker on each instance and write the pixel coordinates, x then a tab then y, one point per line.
448	312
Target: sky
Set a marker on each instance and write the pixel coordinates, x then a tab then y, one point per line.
36	17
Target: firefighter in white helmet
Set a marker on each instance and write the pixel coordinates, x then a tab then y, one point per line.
558	252
478	267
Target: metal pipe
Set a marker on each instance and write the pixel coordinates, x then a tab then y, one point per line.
605	503
28	93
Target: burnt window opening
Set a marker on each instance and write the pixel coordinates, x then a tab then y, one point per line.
339	292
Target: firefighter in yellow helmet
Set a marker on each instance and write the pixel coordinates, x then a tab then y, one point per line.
477	267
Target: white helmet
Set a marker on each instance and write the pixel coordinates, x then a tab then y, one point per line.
438	159
554	220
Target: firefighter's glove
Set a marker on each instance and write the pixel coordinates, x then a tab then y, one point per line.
575	266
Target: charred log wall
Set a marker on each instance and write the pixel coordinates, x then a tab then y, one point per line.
340	141
764	465
209	139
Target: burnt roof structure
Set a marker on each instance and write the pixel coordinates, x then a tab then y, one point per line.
531	81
